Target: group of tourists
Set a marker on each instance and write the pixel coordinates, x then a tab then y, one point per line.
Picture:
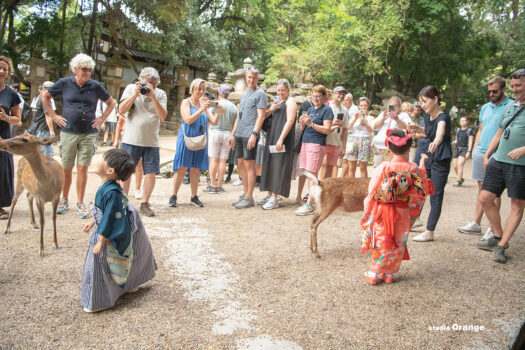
271	143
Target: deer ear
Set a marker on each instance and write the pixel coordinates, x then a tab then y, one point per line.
49	140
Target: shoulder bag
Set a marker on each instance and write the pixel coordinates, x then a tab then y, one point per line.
195	143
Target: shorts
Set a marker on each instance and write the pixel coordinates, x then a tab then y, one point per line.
218	146
332	154
460	152
478	173
358	149
502	175
311	157
81	147
150	157
241	148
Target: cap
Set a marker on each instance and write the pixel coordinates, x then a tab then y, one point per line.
224	89
47	84
416	104
339	89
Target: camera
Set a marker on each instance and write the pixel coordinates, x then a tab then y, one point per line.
83	116
391	108
144	88
506	134
209	95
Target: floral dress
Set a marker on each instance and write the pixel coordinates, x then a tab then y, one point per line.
396	195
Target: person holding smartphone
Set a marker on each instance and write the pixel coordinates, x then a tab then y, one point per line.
388	119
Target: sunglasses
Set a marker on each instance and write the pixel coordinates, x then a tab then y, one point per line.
493	91
86	70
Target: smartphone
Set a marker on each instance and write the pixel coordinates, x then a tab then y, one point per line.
391	108
214	104
340	116
276	99
363	113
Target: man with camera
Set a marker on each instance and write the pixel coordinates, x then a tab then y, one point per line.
146	107
245	135
506	170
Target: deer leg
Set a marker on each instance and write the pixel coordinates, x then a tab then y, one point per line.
55	206
40	207
30	199
323	211
18	191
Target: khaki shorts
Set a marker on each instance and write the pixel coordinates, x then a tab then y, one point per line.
79	146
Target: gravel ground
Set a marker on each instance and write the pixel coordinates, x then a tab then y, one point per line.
245	279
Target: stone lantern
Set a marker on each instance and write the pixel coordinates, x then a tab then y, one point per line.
182	83
113	78
38	73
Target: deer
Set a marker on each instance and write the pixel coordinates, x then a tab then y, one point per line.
40	175
332	193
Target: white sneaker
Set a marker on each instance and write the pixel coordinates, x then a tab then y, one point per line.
471	227
488	234
237	182
272	203
264	200
138	194
424	237
305	210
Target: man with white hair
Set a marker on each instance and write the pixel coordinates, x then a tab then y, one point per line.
146	107
78	125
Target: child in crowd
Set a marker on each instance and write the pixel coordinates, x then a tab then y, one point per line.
119	258
464	143
396	195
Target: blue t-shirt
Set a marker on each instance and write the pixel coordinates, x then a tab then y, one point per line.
318	117
79	104
490	116
114	225
8	99
444	150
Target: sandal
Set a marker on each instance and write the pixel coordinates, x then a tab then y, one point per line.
370	277
4	215
387	277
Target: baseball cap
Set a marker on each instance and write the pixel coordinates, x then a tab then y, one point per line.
224	89
47	84
339	89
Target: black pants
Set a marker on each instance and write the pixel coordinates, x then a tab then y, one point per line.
437	171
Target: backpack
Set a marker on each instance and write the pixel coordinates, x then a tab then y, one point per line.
27	112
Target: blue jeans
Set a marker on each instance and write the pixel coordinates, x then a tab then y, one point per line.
47	150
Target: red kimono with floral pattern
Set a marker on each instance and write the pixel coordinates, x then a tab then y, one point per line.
396	195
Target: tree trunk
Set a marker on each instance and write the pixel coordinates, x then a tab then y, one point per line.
4	23
61	43
92	28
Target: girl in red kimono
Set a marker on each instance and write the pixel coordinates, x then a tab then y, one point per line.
396	195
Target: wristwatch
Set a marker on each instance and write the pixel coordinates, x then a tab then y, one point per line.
254	133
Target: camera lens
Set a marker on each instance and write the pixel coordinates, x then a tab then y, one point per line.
144	88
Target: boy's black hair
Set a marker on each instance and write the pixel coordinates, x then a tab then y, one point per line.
399	150
121	161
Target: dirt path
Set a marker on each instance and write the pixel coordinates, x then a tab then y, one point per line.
245	279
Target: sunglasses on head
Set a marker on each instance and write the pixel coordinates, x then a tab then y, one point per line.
85	69
493	91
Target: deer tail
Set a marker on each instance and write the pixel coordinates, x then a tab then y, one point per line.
315	190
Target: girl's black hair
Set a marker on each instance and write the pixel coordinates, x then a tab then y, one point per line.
399	150
430	92
121	161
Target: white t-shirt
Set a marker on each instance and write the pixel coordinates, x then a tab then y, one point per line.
142	126
334	138
359	130
101	107
379	139
351	112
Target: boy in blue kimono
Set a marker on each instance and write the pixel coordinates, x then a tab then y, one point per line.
111	215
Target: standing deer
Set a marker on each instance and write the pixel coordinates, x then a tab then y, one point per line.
40	175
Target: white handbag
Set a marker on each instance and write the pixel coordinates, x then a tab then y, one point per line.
195	143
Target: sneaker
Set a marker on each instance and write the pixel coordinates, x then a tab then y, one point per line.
488	234
228	180
306	209
499	255
138	194
219	189
173	201
458	183
104	144
82	211
146	210
196	202
462	180
237	182
424	237
471	227
240	199
490	243
186	179
272	203
264	200
208	189
63	206
97	310
245	203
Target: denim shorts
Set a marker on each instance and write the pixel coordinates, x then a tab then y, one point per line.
150	157
500	175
